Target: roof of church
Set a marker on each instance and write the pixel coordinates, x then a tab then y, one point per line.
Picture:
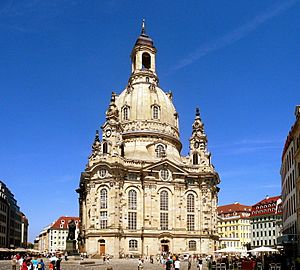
144	39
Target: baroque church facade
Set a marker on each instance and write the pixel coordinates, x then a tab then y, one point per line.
138	196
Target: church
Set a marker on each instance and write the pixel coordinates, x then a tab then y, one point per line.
138	196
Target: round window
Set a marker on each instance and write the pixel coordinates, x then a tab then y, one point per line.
164	174
102	173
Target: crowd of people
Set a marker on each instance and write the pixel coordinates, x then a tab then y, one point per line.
26	262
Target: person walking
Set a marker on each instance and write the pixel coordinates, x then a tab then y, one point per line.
177	264
13	262
190	259
169	264
41	265
199	263
57	263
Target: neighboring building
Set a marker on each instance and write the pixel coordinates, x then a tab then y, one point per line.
234	225
138	195
10	220
266	221
290	189
53	237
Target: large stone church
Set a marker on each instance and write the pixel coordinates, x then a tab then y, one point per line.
138	196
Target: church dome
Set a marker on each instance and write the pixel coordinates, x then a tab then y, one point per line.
146	107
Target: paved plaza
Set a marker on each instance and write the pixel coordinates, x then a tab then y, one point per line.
116	264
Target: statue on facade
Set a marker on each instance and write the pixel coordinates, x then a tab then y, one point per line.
72	228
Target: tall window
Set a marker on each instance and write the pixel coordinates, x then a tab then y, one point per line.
191	212
105	148
191	203
160	151
164	206
155	112
195	159
125	113
133	244
103	219
132	220
132	199
192	245
146	60
164	220
164	198
190	222
103	198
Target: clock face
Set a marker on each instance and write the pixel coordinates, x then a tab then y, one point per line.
196	144
108	133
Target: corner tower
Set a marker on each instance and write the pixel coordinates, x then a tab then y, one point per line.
138	195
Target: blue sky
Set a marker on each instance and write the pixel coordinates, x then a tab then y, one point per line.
60	60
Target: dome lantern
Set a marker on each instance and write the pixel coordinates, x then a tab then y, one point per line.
143	54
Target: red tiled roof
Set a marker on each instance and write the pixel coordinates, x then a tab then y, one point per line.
62	222
234	207
267	206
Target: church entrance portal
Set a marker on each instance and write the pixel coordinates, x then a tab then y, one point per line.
102	247
165	245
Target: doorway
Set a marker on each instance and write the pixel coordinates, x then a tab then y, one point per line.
102	247
165	245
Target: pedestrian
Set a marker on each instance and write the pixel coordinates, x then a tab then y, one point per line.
140	264
34	262
13	262
169	264
177	264
57	263
41	265
66	256
199	263
190	259
25	264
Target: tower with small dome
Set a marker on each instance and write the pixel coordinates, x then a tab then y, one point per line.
138	196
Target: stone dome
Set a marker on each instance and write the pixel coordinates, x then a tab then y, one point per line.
146	107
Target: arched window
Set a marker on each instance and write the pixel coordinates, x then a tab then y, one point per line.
133	244
146	60
155	112
164	201
192	245
195	159
125	113
132	199
105	148
103	198
190	203
164	206
160	151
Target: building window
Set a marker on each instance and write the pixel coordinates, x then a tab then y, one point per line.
192	245
133	244
105	148
160	151
132	199
125	113
103	198
146	60
164	221
195	159
155	112
132	220
191	203
164	174
190	222
103	219
164	201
